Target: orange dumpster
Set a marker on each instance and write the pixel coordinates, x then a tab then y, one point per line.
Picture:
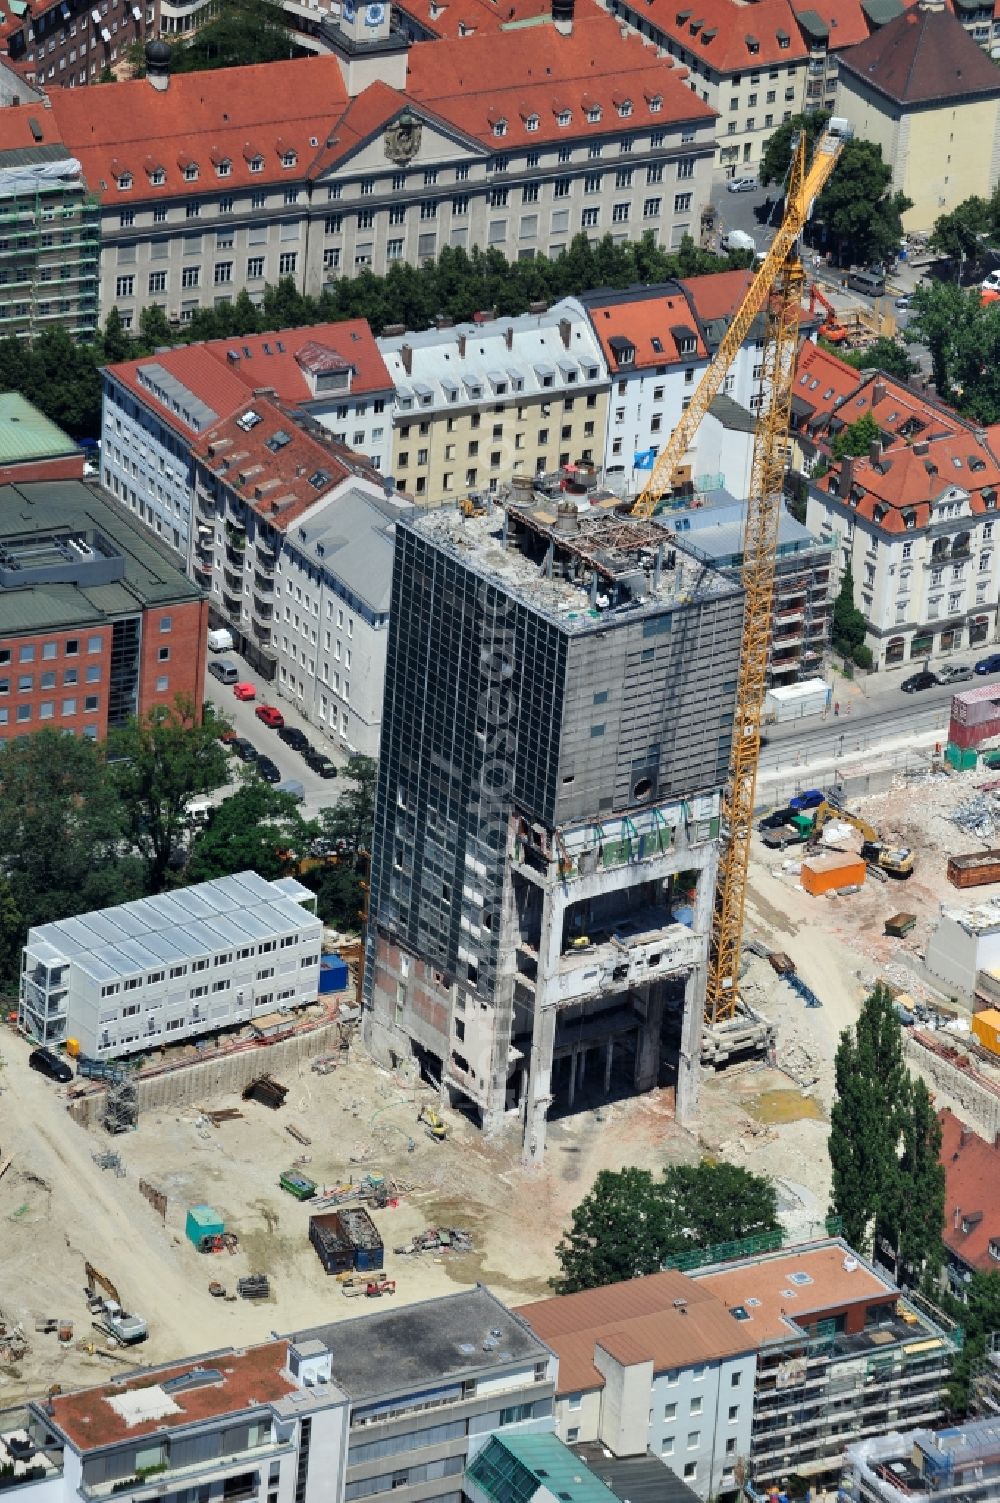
820	874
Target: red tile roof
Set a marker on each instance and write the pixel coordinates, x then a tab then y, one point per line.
822	383
536	71
732	37
89	1420
642	322
804	1283
922	56
234	115
972	1174
845	18
15	127
664	1318
208	372
455	18
278	468
717	295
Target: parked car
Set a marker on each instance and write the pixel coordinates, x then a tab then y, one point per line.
245	691
991	282
742	184
47	1063
904	300
226	673
268	770
954	673
293	737
809	798
293	788
321	765
917	681
990	664
271	717
775	819
244	749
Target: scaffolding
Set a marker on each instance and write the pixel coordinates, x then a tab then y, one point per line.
49	249
121	1106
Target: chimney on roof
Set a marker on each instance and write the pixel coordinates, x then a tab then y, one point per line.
157	56
875	451
922	447
980	435
461	346
562	16
508	336
964	1135
406	356
846	476
878	393
565	330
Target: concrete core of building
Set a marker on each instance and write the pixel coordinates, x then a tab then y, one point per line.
556	736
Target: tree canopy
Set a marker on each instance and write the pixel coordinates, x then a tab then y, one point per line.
255	829
240	33
630	1223
963	338
888	1185
857	213
856	439
886	355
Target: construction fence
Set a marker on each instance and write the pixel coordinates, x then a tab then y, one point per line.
190	1083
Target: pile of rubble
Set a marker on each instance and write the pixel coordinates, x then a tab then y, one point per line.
979	815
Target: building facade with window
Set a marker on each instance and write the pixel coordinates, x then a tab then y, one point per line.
479	404
915	519
171	967
69	43
385	152
96	623
156	408
49	229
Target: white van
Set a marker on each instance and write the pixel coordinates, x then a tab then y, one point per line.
220	640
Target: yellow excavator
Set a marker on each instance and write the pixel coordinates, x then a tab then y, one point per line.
895	861
433	1123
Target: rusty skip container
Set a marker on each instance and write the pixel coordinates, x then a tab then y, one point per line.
975	870
822	874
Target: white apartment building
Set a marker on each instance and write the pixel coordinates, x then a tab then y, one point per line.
155	409
171	967
916	520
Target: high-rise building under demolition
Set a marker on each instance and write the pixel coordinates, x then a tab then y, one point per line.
556	733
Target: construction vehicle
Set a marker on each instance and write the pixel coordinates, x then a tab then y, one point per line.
104	1301
375	1288
896	861
777	291
832	330
472	506
433	1123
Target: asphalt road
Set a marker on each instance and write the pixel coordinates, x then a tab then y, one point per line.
320	793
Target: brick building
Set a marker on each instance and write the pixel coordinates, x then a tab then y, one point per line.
66	43
32	447
96	624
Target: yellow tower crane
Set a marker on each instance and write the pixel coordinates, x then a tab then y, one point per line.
776	290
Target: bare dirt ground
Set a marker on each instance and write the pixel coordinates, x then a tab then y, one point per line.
58	1208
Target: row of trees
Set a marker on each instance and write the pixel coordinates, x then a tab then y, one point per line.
963	337
84	826
63	378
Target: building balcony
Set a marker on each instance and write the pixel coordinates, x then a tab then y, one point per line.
235	554
204	502
238	1484
233	604
267	556
233	576
202	573
263	583
263	610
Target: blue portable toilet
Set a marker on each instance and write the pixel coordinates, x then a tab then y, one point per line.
333	974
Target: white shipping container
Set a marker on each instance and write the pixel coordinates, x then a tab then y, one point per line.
795	701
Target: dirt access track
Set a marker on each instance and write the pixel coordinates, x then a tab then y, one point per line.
59	1208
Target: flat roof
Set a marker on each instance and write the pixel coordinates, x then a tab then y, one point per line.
542	1467
422	1346
637	1479
47	508
192	921
774	1289
155	1399
26	433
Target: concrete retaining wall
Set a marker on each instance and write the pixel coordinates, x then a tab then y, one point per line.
977	1108
222	1075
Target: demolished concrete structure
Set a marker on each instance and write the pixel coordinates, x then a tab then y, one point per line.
556	735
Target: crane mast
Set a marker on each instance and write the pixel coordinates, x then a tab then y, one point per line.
776	291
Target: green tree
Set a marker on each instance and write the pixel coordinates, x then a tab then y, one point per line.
777	156
12	934
963	233
871	1096
159	763
857	208
256	829
154	328
351	818
916	1217
618	1231
62	830
242	32
849	625
856	439
340	893
117	345
886	355
979	1316
629	1223
963	338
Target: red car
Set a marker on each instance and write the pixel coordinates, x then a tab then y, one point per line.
245	691
270	716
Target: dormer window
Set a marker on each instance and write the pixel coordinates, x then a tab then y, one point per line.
157	177
531	123
753	46
593	114
256	164
655	104
499	123
124	182
223	169
909	519
191	172
289	158
563	117
624	108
